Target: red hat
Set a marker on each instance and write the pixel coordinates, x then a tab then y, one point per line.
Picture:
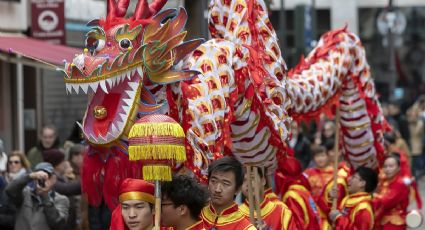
290	167
53	156
135	189
292	172
131	189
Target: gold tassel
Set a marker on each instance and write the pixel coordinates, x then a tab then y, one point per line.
157	172
157	152
156	129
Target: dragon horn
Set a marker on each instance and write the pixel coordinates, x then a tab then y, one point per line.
142	10
112	8
156	6
117	10
122	7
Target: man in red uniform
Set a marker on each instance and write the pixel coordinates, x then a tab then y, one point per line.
135	210
355	211
274	213
296	194
225	178
392	197
182	201
320	175
326	198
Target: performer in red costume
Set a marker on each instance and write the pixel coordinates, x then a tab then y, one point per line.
135	210
320	175
296	194
355	211
392	197
225	178
274	213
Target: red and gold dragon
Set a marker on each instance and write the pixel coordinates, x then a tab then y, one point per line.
232	94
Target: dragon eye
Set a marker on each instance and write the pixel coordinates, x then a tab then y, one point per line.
125	43
94	44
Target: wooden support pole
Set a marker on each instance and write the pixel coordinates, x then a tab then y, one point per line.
250	194
257	196
336	157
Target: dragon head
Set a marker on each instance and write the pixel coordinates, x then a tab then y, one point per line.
121	57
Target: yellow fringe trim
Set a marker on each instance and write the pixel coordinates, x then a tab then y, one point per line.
157	172
156	129
157	152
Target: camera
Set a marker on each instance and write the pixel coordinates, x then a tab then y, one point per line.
41	183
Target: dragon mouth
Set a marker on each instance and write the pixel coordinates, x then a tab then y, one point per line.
113	102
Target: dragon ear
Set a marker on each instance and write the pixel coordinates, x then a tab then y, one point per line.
184	49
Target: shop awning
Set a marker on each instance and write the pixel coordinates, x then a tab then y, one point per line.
37	50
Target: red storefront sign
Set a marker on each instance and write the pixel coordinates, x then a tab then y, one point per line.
48	20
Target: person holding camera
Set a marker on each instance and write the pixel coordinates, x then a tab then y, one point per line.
38	205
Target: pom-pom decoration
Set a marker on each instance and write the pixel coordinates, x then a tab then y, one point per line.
158	141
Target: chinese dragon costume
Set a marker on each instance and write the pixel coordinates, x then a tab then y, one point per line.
232	94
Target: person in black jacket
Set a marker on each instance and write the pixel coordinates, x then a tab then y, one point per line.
63	185
301	145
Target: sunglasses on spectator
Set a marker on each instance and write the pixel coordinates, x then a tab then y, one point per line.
14	162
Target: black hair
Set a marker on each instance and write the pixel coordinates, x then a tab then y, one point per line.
184	190
317	149
76	135
369	176
390	137
227	164
75	150
396	157
329	145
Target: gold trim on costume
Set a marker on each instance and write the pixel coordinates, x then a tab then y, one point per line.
210	216
293	194
137	196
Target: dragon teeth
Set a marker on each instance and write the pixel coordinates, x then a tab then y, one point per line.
128	101
139	71
84	87
114	128
133	85
111	82
123	116
80	125
103	86
76	88
94	86
130	93
68	88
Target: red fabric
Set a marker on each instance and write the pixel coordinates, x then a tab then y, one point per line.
229	219
289	170
324	203
352	219
129	185
318	178
38	50
391	227
363	221
198	226
273	214
117	222
102	173
136	185
295	205
391	201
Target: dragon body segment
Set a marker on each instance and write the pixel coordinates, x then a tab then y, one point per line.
231	94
